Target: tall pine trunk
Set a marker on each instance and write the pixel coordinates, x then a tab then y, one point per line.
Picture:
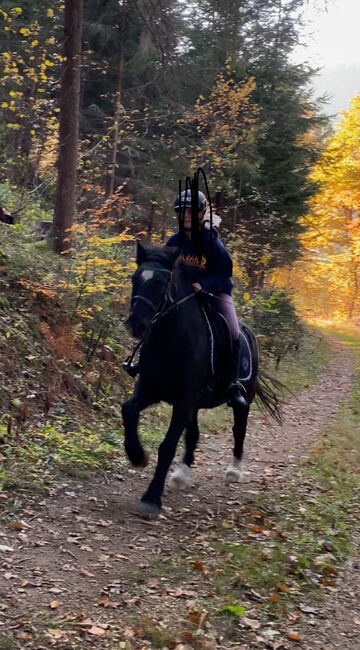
118	105
69	125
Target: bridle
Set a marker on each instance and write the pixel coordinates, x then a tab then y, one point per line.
158	312
147	301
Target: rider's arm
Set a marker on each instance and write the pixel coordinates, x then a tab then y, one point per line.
218	278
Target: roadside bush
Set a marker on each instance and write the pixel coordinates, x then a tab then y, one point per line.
274	318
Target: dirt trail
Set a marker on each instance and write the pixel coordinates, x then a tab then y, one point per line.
86	539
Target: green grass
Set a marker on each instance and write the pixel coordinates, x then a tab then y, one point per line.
310	527
7	643
34	459
302	368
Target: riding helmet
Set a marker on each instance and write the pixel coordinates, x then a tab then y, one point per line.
185	201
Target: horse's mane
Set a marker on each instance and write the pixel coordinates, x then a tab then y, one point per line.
161	254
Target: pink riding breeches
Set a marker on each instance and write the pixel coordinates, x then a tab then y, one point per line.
226	307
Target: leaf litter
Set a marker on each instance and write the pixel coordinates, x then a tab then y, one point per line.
167	567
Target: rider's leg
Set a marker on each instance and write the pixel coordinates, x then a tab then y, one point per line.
237	395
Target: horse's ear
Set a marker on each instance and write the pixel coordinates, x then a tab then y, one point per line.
141	253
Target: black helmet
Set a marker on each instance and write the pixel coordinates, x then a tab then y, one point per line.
185	201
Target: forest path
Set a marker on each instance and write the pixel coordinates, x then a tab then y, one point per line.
85	549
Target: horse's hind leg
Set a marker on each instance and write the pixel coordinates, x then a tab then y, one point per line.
130	413
233	472
151	500
181	477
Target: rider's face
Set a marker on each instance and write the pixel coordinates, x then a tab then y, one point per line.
187	219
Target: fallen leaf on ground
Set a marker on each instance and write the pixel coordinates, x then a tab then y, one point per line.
86	573
284	588
294	637
18	525
251	623
106	602
330	570
177	593
57	634
199	566
308	610
96	631
24	636
273	598
54	604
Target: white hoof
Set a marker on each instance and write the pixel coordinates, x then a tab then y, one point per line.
145	508
180	478
233	472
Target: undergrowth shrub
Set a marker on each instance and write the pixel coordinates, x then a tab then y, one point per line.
274	318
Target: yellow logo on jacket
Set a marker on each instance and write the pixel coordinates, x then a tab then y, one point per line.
193	260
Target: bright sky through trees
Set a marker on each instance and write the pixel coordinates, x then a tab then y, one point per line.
335	33
333	45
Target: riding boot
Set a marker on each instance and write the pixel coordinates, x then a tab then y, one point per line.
237	395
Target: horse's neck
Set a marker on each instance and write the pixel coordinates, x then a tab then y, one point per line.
181	287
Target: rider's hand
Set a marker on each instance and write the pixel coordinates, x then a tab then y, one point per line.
197	287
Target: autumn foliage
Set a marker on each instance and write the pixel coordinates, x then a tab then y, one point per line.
327	277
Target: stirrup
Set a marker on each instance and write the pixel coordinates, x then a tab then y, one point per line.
131	368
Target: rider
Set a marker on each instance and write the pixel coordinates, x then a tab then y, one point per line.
212	271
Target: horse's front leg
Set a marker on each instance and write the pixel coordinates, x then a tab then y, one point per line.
151	500
181	477
130	413
233	472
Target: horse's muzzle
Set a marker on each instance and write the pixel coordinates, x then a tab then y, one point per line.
136	329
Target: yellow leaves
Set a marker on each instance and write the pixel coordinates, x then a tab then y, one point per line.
13	126
328	276
246	296
4	105
24	31
16	11
35	43
265	258
50	13
15	94
226	123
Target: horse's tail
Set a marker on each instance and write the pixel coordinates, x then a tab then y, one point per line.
267	394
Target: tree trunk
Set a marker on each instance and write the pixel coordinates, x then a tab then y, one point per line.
118	104
354	289
69	125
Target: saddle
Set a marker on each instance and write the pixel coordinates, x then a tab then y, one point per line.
221	342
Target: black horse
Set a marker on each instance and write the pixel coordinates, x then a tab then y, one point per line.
178	364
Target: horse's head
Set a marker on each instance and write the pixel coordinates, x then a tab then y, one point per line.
150	281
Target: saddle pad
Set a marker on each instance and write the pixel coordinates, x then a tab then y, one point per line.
245	366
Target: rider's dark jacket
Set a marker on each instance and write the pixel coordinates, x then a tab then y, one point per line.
210	265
